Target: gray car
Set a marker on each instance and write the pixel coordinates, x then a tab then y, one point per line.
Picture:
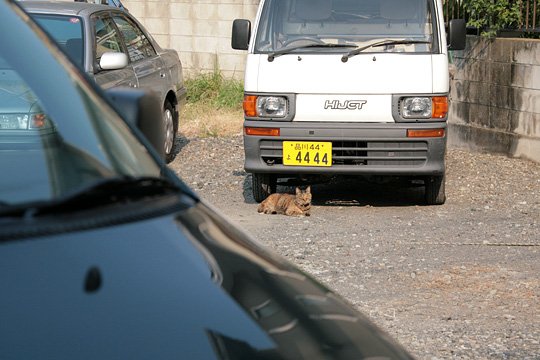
111	46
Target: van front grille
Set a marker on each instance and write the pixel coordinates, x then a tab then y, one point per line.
359	153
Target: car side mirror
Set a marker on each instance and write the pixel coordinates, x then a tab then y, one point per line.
241	32
457	31
141	109
113	61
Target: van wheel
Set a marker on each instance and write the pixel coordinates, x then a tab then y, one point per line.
263	185
170	123
435	190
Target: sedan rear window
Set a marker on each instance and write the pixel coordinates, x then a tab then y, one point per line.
67	31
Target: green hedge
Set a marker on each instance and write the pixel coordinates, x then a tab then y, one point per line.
491	16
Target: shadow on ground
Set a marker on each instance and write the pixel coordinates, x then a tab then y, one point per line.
354	191
179	143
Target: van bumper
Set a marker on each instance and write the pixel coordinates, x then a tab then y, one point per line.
357	148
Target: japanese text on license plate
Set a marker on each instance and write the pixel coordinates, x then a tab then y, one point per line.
303	153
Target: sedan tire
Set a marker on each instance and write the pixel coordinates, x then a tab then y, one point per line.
170	123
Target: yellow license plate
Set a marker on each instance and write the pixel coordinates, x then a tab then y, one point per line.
307	153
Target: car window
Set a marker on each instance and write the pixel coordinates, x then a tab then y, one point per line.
138	45
107	37
68	33
23	124
56	134
24	111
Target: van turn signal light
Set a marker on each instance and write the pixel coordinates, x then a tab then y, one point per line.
426	133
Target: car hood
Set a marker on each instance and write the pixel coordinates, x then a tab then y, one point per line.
186	285
15	97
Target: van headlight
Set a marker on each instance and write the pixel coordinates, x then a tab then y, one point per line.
267	107
424	107
416	108
272	106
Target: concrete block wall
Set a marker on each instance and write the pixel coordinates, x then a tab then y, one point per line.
495	97
200	30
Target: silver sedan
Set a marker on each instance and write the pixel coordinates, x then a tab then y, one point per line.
111	46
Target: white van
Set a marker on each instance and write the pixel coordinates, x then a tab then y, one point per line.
352	87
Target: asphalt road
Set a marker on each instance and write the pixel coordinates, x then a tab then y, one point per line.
459	280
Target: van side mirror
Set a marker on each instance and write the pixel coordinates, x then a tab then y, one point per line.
141	109
241	32
457	31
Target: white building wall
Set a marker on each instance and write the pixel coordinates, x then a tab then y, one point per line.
200	30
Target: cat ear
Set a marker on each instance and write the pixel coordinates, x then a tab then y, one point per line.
308	189
298	191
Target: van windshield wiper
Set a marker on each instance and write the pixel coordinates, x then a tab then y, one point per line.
358	50
115	190
287	50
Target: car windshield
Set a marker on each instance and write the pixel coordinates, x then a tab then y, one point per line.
57	135
68	33
292	23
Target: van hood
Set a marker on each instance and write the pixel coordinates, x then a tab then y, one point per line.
326	74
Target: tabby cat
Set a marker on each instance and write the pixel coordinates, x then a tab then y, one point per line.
288	204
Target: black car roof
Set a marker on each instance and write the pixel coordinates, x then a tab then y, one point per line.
64	7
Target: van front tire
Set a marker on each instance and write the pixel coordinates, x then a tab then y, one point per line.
263	185
435	192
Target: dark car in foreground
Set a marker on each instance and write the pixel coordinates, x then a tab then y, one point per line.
116	50
106	254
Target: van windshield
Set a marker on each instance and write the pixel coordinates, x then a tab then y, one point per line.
293	23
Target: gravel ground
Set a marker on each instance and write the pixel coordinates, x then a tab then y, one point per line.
454	281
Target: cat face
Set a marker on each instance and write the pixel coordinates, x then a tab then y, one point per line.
303	196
